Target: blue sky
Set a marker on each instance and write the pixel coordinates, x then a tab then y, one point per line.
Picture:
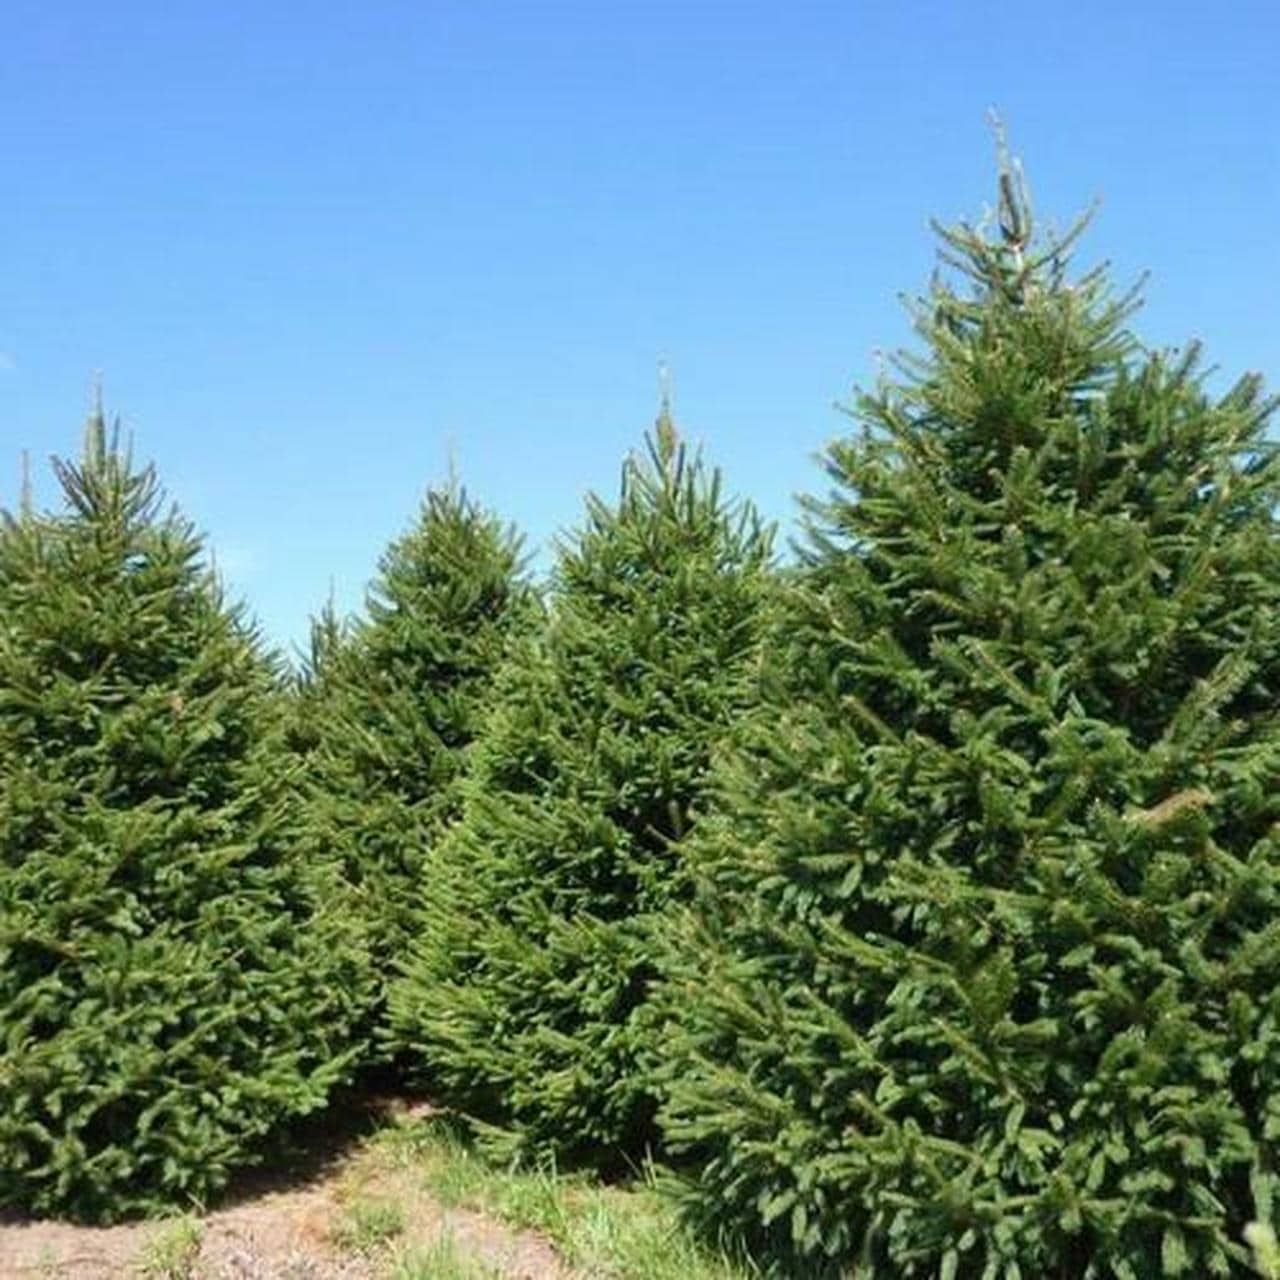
313	248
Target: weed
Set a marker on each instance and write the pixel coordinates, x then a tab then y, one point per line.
47	1266
440	1261
171	1253
367	1223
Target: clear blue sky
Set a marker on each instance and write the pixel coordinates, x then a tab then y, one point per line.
312	246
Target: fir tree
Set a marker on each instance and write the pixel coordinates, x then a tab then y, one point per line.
391	702
172	984
524	999
982	980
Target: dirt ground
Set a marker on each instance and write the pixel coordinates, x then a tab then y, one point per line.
277	1228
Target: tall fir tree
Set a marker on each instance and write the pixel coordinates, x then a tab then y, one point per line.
173	984
524	995
391	702
982	980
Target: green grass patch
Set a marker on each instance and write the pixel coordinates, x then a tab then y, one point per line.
440	1261
369	1222
607	1232
172	1253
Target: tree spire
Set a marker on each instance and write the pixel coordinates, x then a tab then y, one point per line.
666	434
95	427
1014	206
25	505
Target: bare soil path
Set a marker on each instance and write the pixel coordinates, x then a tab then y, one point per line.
286	1227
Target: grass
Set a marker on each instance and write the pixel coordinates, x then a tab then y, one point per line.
606	1232
171	1254
368	1223
47	1263
441	1261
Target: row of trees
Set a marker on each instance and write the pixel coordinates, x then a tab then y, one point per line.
918	902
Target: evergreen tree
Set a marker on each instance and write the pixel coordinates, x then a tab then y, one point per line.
173	985
391	702
524	997
982	979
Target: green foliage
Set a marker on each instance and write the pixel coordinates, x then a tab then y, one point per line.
1266	1250
391	703
524	995
172	984
982	980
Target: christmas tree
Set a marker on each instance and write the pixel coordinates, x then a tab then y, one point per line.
982	979
391	702
524	996
173	985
